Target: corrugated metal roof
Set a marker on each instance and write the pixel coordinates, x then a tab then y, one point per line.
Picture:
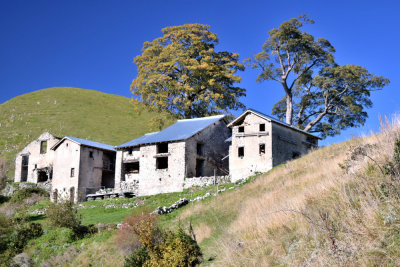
274	120
181	130
229	139
86	143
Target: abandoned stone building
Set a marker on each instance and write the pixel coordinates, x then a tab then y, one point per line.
81	167
168	160
34	163
260	142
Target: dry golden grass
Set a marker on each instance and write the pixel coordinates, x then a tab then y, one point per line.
311	211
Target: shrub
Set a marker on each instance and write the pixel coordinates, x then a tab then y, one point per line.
155	247
396	154
63	215
137	258
25	193
14	237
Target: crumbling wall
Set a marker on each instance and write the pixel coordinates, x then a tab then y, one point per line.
214	150
36	159
205	181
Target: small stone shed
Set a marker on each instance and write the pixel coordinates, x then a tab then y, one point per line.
260	142
164	161
81	167
34	163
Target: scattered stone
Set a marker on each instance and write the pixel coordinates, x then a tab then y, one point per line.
22	260
164	210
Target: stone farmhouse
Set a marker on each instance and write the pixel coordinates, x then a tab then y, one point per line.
34	163
259	142
81	167
189	152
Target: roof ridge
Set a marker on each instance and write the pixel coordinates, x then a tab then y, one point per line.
204	118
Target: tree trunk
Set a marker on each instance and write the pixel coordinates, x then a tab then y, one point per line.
289	108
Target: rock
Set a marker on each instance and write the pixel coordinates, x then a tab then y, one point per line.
22	260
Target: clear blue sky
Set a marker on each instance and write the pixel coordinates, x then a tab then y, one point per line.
91	44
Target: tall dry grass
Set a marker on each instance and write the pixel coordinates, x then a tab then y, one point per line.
338	205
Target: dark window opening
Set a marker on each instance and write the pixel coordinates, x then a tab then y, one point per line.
72	172
311	140
91	154
262	149
24	168
42	176
241	151
35	166
43	147
200	149
199	167
132	167
295	155
241	129
262	127
162	163
130	151
162	148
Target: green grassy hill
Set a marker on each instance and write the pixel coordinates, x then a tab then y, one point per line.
62	111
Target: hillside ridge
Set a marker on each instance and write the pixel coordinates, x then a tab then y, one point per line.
69	111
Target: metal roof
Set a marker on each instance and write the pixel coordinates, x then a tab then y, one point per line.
271	119
181	130
85	142
229	139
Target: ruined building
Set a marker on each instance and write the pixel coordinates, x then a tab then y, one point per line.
34	163
174	158
81	167
260	142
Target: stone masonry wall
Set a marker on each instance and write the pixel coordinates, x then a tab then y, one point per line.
36	160
252	161
214	149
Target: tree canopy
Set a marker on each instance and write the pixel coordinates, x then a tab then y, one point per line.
181	73
320	96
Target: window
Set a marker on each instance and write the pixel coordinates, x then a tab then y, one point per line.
72	172
200	149
91	154
162	163
241	129
262	127
262	149
130	151
132	167
43	147
25	160
162	148
241	152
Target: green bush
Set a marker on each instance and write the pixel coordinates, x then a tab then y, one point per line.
396	154
137	258
14	237
63	215
24	193
159	248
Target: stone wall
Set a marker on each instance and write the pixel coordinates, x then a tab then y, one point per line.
205	181
253	161
36	159
67	156
288	144
214	149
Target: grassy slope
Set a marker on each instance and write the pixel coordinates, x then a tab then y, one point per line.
62	111
309	211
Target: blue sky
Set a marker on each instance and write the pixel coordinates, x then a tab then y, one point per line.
91	44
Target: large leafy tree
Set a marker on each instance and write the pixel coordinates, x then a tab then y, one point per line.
181	73
319	95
